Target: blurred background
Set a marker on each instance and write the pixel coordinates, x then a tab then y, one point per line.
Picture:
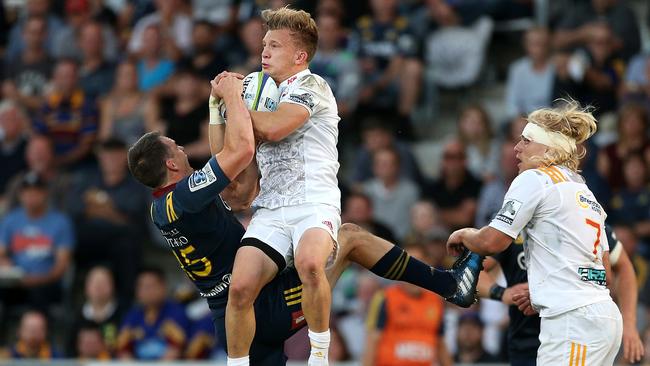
431	95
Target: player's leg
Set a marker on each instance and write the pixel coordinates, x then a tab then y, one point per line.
383	258
314	248
265	251
252	270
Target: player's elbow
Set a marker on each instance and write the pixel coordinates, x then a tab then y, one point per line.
273	134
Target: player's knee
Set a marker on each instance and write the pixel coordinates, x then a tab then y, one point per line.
241	294
310	269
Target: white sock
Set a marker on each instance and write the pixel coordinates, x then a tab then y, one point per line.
241	361
320	344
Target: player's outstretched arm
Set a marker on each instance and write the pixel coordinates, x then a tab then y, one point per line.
238	143
486	241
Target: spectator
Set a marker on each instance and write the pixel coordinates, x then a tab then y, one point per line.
90	344
336	65
34	8
515	128
454	54
530	79
377	135
456	190
100	311
424	218
68	118
97	73
182	116
482	150
470	347
358	210
110	209
391	195
156	328
390	70
202	343
405	324
37	241
13	141
174	26
27	73
637	87
576	27
251	35
338	350
69	42
632	139
222	13
631	204
203	60
39	156
32	340
491	197
122	110
155	67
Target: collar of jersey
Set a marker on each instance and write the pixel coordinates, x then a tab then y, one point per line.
294	78
161	191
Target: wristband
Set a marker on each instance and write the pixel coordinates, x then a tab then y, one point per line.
496	292
215	117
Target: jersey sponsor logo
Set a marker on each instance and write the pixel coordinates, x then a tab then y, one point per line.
414	351
509	211
292	79
598	276
219	288
585	201
305	99
297	319
202	178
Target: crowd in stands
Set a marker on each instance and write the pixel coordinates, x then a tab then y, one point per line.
81	80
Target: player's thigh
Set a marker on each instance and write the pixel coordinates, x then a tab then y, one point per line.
268	232
588	334
315	230
251	271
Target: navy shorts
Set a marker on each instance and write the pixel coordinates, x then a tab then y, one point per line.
278	316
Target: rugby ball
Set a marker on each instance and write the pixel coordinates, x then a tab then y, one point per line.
260	93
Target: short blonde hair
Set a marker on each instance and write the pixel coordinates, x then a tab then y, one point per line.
299	22
572	121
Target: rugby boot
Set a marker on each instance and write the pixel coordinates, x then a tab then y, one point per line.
465	271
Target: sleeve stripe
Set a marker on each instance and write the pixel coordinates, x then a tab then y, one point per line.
169	205
554	173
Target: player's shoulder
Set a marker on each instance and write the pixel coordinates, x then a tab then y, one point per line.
312	81
532	177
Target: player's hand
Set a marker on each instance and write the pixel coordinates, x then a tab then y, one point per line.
633	350
520	289
455	246
218	78
227	85
522	300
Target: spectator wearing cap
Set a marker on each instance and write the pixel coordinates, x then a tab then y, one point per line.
469	341
36	244
109	210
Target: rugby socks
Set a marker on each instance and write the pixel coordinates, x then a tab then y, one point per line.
240	361
320	344
399	266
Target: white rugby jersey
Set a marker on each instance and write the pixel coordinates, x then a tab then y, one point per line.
302	167
566	238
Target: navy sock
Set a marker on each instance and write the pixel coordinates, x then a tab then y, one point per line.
399	266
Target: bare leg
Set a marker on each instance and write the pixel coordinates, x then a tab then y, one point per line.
252	270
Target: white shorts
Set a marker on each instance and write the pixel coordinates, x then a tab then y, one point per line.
589	335
277	232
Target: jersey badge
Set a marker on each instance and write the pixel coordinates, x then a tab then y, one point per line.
305	99
202	178
509	211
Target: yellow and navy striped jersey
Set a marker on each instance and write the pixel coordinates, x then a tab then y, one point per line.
201	230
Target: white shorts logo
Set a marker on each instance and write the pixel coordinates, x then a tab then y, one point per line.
509	211
202	178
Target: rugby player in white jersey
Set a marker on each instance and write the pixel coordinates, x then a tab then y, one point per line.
567	250
297	213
